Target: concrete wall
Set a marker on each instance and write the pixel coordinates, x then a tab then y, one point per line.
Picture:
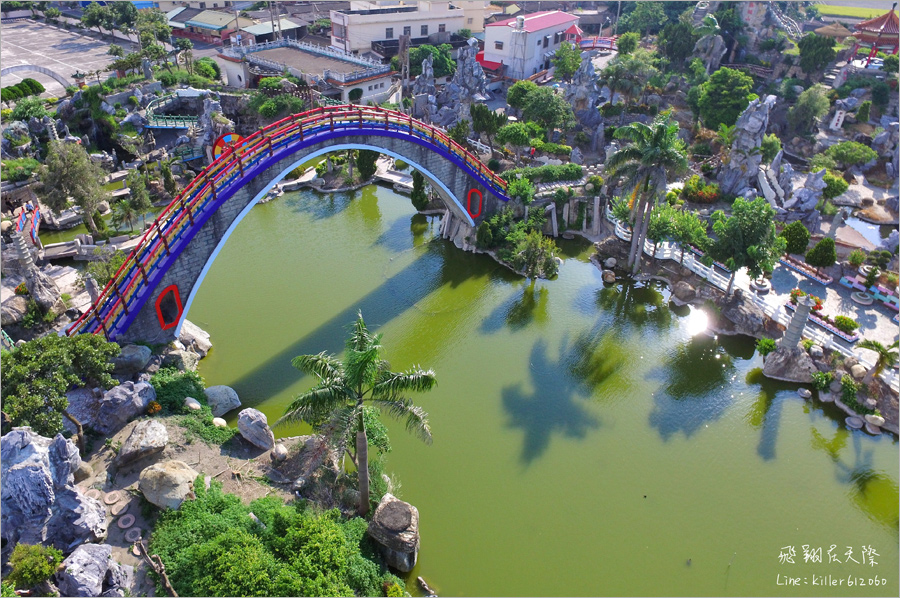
186	271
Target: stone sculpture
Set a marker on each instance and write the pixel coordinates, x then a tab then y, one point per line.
743	167
469	85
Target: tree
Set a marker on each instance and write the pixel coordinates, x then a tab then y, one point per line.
662	224
834	185
442	60
521	189
655	152
140	199
124	15
535	256
881	94
155	53
770	147
891	63
419	196
862	115
887	356
183	47
152	25
169	184
123	212
724	96
689	229
52	14
460	132
97	16
850	153
486	121
627	43
116	50
517	96
33	564
36	376
566	61
747	238
549	109
822	255
647	16
336	403
366	163
796	237
69	172
811	105
676	42
815	52
104	265
516	136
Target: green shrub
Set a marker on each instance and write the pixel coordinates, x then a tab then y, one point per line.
545	174
807	344
856	258
494	164
850	153
19	169
862	115
597	181
32	565
797	237
849	390
701	149
697	190
765	346
172	386
8	590
29	107
834	185
582	139
400	164
167	79
208	68
822	380
845	324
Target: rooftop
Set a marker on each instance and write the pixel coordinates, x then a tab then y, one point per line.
179	16
211	19
538	20
266	27
309	62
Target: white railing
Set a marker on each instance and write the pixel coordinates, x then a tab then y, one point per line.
671	251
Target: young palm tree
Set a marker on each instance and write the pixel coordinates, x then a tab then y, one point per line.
654	153
336	403
124	212
887	356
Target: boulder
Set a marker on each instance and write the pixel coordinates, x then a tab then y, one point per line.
254	427
84	472
45	292
118	579
40	503
222	399
816	352
219	422
609	263
147	438
192	404
858	371
790	365
195	338
13	310
84	571
608	276
83	406
131	360
167	484
183	360
745	316
804	393
395	527
279	453
122	403
683	292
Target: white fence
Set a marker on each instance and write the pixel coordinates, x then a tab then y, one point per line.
671	251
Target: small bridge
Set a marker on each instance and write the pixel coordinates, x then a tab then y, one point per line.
167	121
150	295
37	69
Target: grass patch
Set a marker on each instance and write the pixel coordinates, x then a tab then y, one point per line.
201	425
857	12
172	386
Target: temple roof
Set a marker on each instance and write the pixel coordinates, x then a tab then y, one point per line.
887	24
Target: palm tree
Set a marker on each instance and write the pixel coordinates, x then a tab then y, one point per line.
336	404
655	151
887	356
124	212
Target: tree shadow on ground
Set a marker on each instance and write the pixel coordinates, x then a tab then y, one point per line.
553	407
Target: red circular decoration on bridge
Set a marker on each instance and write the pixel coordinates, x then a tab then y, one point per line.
225	141
469	203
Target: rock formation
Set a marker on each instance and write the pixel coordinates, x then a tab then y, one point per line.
90	571
710	49
40	503
395	527
168	484
469	85
583	94
743	167
222	399
254	427
107	412
147	438
131	360
793	196
194	339
424	92
790	365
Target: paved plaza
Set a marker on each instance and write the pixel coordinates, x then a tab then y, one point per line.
63	52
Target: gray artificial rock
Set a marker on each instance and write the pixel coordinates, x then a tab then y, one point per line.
222	399
583	93
107	108
44	291
395	528
254	427
576	157
745	317
84	571
195	339
816	352
743	166
148	437
167	484
118	579
183	360
13	310
790	365
122	403
892	241
710	49
683	292
424	92
469	85
131	360
40	504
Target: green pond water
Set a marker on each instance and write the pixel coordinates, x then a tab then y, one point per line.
588	440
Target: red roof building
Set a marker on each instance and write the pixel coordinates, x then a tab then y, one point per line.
879	34
524	45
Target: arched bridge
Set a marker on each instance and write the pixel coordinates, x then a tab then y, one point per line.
36	69
150	294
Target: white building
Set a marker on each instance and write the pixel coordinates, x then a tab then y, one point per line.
474	11
525	44
355	30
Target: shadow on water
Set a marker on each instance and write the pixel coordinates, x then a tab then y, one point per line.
397	237
694	373
520	310
874	492
319	206
391	299
765	413
636	304
554	407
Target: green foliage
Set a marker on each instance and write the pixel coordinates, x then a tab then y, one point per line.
820	161
69	172
891	64
815	52
19	169
627	43
515	135
521	190
881	94
208	68
486	121
169	183
355	95
549	109
36	376
29	107
845	324
518	94
856	258
106	263
723	97
862	114
443	62
796	236
676	42
494	164
747	238
460	132
555	149
32	565
764	346
834	185
8	590
546	174
484	236
201	424
365	163
811	105
173	385
419	197
697	190
849	388
850	153
566	61
823	254
822	380
535	255
770	147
